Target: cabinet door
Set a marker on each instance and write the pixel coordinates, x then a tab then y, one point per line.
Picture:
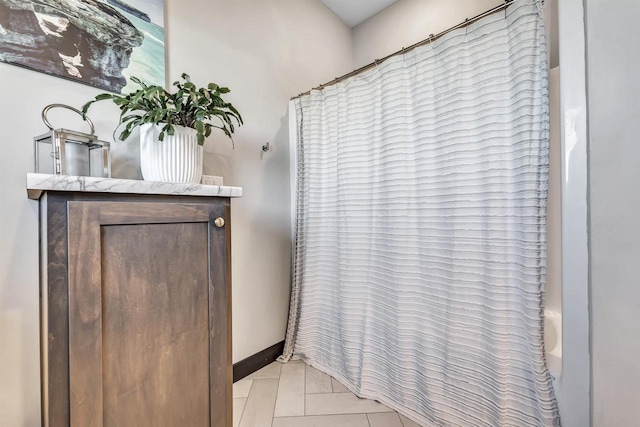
149	306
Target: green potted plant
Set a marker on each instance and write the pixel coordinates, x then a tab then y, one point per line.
173	126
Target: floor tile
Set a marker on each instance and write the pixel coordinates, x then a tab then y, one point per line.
290	400
238	408
406	422
258	412
338	388
389	419
341	403
317	382
269	371
359	420
241	388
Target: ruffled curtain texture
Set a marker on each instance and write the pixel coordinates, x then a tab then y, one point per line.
420	231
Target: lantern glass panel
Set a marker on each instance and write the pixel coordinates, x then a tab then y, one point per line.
77	159
65	152
45	160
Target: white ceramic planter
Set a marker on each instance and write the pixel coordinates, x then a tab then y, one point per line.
176	159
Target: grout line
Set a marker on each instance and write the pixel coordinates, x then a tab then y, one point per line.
330	415
242	412
245	405
273	414
250	388
369	421
304	387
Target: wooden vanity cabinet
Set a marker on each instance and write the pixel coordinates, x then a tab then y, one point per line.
135	310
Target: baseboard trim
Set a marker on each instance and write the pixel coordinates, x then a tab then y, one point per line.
258	361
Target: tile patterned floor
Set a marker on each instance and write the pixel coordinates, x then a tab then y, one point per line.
296	395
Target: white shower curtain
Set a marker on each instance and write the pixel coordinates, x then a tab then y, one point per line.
419	236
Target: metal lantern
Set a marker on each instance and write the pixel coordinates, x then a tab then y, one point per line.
68	152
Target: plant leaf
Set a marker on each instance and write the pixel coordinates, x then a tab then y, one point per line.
189	106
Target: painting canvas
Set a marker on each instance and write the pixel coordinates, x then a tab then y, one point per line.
101	43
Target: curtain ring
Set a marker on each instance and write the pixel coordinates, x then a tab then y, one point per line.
466	27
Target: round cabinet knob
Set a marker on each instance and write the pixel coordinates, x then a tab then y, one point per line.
219	222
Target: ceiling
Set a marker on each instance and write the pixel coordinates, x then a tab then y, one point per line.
353	12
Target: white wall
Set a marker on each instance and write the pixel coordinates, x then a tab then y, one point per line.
409	21
265	52
23	94
573	387
550	14
613	59
553	297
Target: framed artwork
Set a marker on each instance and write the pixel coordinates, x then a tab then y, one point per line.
101	43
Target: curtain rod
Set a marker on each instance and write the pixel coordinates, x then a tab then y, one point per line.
404	50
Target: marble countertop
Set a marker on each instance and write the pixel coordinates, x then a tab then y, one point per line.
37	183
